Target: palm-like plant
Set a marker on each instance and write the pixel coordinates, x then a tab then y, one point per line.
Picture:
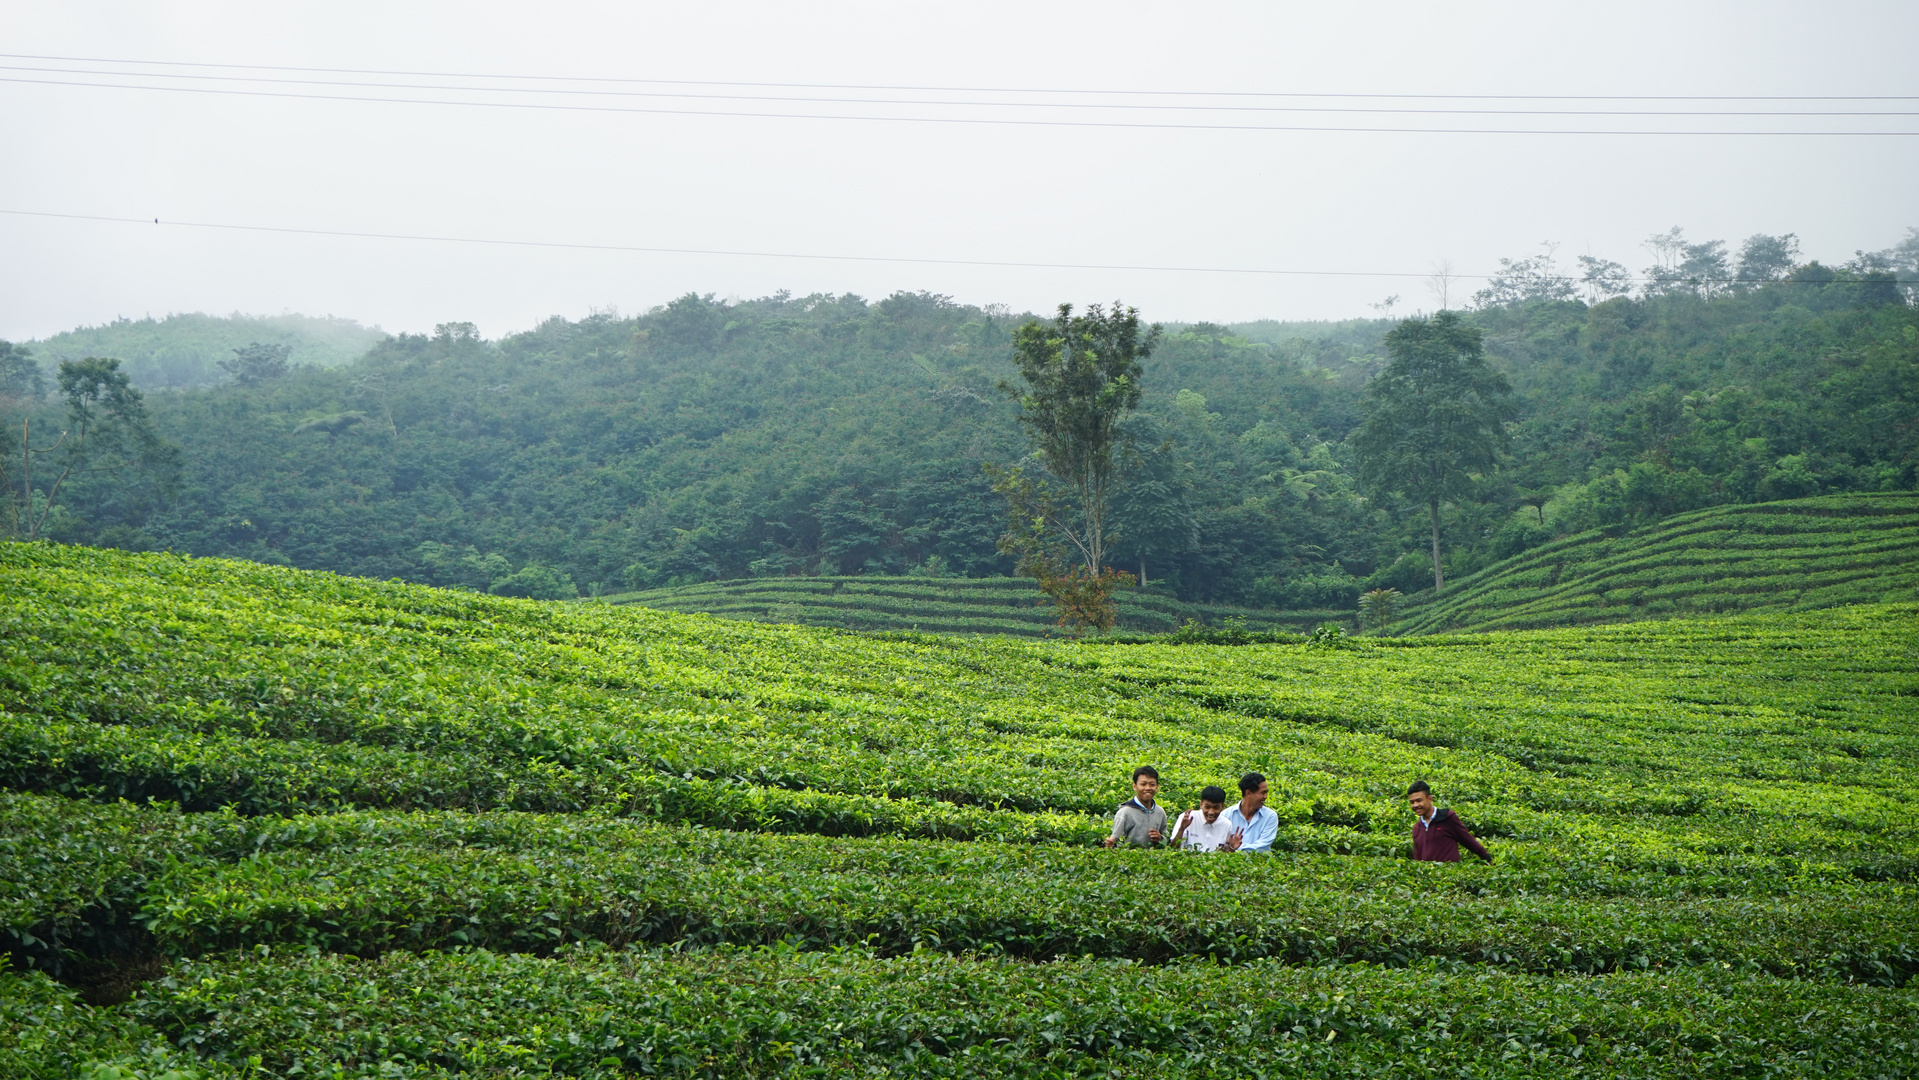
1376	608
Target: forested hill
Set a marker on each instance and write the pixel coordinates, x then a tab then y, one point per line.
709	440
182	351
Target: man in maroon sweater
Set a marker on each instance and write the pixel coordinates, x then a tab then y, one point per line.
1438	833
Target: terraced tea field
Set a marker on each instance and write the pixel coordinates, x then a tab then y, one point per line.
283	823
940	605
1784	556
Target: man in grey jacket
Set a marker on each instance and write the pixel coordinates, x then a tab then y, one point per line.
1140	822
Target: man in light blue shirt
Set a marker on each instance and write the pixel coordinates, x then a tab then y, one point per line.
1254	827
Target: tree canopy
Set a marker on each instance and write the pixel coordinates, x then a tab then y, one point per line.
1434	419
108	433
257	363
187	350
1081	378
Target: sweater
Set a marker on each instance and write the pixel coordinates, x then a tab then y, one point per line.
1439	841
1133	822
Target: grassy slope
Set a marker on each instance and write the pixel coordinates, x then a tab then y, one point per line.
1712	814
937	605
1784	556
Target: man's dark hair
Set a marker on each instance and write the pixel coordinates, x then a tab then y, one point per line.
1250	782
1145	770
1418	786
1213	793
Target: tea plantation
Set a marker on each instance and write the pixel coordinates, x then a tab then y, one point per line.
1782	556
941	605
260	821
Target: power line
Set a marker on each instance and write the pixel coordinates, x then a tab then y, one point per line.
950	103
738	253
640	249
968	89
991	121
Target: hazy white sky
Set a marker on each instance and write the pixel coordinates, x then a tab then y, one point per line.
1257	199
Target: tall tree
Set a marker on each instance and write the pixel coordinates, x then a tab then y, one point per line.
1537	278
1603	279
1154	509
1433	418
1765	258
20	378
107	431
1707	269
1082	378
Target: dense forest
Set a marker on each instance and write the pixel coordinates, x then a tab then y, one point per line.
790	435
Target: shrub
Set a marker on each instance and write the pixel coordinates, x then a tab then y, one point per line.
536	582
1327	635
1410	573
1327	586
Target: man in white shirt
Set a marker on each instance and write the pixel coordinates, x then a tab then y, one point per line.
1254	827
1206	828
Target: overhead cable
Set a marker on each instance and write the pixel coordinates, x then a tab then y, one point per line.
750	254
967	89
947	102
972	120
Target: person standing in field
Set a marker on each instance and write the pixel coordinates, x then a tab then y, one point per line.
1438	833
1140	821
1254	826
1206	828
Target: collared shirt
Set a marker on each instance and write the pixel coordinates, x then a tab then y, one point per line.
1257	834
1199	836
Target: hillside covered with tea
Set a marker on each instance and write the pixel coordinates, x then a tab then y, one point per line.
275	819
1793	555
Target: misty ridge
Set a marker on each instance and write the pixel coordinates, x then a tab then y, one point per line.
181	351
829	435
178	352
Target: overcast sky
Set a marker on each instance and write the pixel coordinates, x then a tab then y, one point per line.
1063	191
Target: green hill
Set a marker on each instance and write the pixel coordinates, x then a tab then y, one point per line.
278	822
941	605
827	435
1781	556
182	351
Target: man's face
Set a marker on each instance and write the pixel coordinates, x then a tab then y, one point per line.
1211	810
1144	788
1251	801
1421	802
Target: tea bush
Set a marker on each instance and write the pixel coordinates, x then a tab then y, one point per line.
777	1012
993	605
